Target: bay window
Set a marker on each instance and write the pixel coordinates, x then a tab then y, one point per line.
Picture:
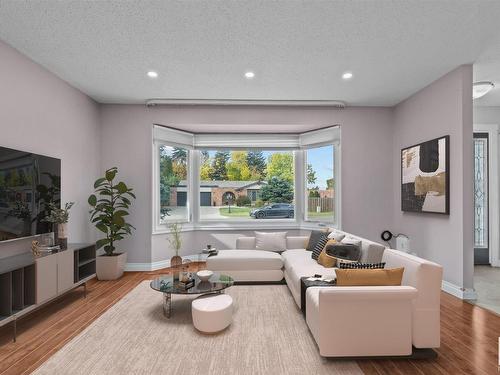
246	180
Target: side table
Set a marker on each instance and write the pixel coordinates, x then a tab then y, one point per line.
304	284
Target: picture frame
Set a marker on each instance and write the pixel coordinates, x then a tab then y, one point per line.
425	177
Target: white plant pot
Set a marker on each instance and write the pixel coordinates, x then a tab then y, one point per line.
110	267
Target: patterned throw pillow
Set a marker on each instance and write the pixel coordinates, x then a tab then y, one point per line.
357	265
314	237
319	246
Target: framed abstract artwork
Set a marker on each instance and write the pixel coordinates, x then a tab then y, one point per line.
425	177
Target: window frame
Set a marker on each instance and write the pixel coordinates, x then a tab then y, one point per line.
336	201
195	143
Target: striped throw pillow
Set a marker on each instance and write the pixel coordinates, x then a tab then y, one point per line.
356	265
319	246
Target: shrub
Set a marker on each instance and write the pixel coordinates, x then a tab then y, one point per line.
259	203
243	200
277	190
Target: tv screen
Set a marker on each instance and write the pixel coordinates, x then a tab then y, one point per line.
30	185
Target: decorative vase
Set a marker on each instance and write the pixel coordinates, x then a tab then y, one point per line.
62	234
110	267
175	264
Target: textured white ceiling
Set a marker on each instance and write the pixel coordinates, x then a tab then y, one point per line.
298	49
487	68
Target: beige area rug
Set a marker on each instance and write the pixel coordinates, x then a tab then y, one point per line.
268	336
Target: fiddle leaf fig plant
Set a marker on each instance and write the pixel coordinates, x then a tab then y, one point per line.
110	205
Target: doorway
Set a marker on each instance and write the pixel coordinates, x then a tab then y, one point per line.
486	217
481	199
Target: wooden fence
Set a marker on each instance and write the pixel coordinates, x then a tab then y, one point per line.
324	204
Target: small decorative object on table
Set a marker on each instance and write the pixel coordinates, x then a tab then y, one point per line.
210	250
204	275
34	249
59	217
186	284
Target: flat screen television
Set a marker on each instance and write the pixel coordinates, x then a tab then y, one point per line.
29	185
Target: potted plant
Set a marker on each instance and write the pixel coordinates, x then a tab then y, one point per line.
110	205
175	241
59	217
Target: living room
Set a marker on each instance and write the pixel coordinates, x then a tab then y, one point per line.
329	98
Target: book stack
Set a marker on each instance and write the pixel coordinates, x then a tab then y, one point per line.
48	249
186	284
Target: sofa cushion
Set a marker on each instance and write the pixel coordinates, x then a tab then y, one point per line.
337	236
314	238
297	256
326	260
375	277
245	260
356	265
275	241
320	246
343	251
308	267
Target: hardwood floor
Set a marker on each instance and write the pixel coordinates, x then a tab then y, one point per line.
469	334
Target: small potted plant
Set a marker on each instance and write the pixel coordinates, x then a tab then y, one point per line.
110	205
59	217
175	240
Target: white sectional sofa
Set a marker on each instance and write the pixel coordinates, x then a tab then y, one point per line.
350	321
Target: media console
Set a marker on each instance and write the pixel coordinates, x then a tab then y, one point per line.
28	282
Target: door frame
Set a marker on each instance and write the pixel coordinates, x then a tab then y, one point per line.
493	190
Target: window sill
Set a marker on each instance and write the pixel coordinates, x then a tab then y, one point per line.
244	225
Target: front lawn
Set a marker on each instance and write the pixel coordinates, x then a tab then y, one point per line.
320	215
235	212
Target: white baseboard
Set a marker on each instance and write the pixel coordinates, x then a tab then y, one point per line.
459	292
147	266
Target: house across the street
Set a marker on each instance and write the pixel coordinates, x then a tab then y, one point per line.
217	193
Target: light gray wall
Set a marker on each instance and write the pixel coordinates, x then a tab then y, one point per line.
444	107
366	163
43	114
486	115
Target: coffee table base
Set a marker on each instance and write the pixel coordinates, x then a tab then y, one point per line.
167	305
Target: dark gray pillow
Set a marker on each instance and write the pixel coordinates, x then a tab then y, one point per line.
344	251
314	238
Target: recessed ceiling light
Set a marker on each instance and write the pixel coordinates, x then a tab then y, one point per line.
480	89
152	74
249	75
347	75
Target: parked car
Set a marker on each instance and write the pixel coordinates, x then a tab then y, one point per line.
275	210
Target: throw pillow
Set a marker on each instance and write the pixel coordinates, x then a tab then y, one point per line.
275	241
337	236
319	247
343	251
315	236
352	241
326	260
369	277
356	265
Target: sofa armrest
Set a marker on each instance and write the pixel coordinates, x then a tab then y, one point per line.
245	243
296	242
332	295
361	321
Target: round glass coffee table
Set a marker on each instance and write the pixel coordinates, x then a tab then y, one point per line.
166	284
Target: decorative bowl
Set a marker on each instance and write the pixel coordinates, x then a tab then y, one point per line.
204	275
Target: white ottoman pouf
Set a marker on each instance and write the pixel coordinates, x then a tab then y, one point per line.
212	313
